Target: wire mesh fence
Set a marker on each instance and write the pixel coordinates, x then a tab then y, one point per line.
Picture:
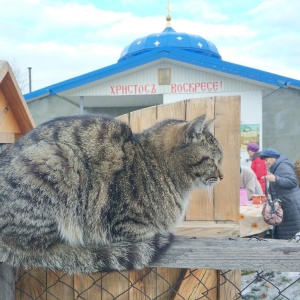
158	283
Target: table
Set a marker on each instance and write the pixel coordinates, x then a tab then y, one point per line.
251	220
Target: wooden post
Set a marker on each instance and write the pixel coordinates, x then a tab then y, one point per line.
7	282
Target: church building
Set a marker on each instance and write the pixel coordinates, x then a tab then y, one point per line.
172	66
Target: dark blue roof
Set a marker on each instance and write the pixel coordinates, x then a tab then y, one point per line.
132	57
170	38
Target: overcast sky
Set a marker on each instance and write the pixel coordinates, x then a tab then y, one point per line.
64	39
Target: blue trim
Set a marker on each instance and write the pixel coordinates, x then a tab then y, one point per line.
184	56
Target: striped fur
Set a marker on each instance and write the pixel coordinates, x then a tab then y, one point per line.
84	194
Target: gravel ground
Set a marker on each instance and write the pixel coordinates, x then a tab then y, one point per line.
271	285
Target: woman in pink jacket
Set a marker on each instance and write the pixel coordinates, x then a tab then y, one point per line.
257	165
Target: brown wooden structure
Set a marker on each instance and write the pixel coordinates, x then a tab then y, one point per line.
210	214
15	118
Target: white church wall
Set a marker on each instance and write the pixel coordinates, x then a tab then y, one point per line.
51	107
164	78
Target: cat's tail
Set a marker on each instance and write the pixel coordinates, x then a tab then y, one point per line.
81	260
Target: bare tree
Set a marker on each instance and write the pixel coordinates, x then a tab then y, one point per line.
20	75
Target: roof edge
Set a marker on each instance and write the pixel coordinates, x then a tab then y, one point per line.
199	60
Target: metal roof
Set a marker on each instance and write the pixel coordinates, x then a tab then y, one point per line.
184	50
170	38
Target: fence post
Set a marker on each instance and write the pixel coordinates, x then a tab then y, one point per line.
7	282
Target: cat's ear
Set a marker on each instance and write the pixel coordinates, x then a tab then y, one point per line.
194	128
209	123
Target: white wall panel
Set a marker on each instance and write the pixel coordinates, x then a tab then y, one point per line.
145	81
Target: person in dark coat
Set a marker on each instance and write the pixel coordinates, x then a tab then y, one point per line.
283	184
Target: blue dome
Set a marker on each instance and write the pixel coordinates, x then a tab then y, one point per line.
170	38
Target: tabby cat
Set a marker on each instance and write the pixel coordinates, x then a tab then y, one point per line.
83	194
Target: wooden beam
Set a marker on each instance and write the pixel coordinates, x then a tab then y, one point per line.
208	229
232	254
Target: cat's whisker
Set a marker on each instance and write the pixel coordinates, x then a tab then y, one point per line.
210	198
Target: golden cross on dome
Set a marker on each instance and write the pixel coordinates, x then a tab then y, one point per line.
168	8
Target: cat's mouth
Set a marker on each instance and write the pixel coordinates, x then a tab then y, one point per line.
209	181
212	181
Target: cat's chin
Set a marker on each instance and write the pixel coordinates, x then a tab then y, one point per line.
206	186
